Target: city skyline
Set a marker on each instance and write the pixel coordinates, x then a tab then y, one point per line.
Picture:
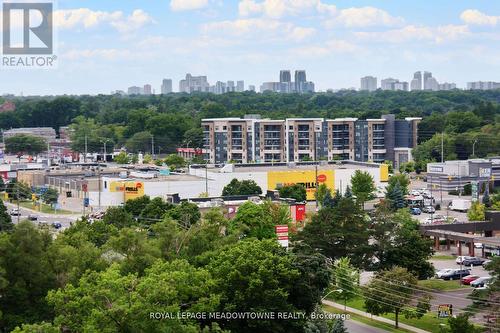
103	45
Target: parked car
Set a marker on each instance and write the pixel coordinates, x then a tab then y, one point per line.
469	278
486	262
429	209
15	212
415	192
434	219
439	273
415	211
480	282
56	225
460	259
474	261
478	245
32	217
456	274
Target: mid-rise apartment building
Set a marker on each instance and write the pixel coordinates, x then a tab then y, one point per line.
252	139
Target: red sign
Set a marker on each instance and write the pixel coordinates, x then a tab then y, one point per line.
321	178
281	229
300	212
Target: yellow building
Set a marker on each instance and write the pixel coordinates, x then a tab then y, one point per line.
278	179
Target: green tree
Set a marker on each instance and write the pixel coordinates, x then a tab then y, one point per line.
346	279
322	193
186	213
253	221
137	205
25	144
295	191
26	276
399	243
363	186
461	324
155	210
175	161
119	217
5	219
338	327
476	212
431	149
402	179
247	275
341	231
110	301
395	196
392	292
193	137
122	158
244	187
139	142
37	328
50	196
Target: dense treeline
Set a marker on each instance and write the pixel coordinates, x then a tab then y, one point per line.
174	119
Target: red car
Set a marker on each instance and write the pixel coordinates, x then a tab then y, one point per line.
469	278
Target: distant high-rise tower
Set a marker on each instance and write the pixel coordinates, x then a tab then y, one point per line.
416	83
240	86
300	80
285	76
251	87
147	89
230	86
368	83
166	86
427	81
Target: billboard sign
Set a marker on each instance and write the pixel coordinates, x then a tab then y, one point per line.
279	179
282	234
445	310
131	189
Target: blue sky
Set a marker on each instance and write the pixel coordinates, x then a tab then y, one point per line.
109	45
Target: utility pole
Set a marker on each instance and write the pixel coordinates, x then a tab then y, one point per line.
85	156
474	148
153	146
206	179
442	147
99	179
17	190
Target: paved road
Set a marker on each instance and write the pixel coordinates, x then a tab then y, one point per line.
65	220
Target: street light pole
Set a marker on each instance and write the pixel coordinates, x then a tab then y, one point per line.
474	148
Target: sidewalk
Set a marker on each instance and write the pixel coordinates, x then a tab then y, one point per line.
377	318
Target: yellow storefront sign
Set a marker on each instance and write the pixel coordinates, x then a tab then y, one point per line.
131	189
278	179
384	172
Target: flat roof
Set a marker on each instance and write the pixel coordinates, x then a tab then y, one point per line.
298	167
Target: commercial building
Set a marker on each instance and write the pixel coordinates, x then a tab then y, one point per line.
252	139
106	187
480	85
46	133
454	175
447	86
368	83
194	84
166	86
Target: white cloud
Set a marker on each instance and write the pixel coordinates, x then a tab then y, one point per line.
364	17
137	20
475	17
280	8
411	32
258	27
87	18
181	5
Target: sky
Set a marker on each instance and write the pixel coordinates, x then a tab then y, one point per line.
105	45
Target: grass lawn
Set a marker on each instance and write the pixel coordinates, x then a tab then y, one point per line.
367	321
428	322
443	257
441	285
47	209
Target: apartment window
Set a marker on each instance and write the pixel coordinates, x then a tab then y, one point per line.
224	128
290	128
